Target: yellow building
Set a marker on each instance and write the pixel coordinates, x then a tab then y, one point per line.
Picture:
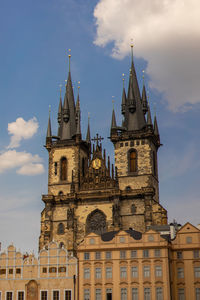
124	265
185	263
50	276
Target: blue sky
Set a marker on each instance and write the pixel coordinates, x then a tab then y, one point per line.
34	39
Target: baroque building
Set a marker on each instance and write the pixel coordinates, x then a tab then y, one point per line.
88	194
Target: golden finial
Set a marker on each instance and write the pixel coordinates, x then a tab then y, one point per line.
78	86
60	85
69	55
143	72
113	101
132	49
66	82
123	75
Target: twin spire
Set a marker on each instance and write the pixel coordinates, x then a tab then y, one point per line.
69	115
134	107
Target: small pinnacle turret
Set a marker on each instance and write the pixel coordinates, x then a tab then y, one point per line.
149	120
49	133
88	137
144	100
113	122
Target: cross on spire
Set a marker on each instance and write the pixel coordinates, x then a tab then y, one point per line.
97	139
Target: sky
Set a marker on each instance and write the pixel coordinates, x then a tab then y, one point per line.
35	39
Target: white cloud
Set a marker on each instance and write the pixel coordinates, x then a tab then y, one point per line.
26	162
21	129
166	33
31	169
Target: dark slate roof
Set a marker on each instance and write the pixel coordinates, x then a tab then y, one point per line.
108	236
134	234
161	227
167	237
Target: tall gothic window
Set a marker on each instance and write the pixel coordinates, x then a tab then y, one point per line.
60	228
63	168
132	161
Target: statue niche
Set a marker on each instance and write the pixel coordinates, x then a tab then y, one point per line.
96	222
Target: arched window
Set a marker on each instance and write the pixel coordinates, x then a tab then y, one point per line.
132	161
60	228
96	222
63	168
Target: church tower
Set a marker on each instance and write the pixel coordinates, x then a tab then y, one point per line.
88	194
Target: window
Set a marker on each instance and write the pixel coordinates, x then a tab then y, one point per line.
123	272
18	271
20	295
98	273
98	294
52	270
196	253
158	271
147	294
108	272
197	272
60	228
108	255
197	291
44	295
86	256
179	255
44	270
188	239
122	239
68	295
159	293
92	241
108	294
86	273
10	271
134	271
132	161
98	255
55	168
146	271
151	238
145	253
86	294
2	271
122	254
124	294
180	273
157	252
133	209
55	295
8	295
62	269
63	168
181	294
134	294
133	253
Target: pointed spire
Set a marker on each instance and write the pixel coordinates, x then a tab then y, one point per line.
88	137
49	134
123	98
113	122
149	120
60	114
155	127
78	115
144	97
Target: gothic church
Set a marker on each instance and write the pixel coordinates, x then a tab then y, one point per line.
88	194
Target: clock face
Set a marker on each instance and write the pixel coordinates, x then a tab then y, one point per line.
96	163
